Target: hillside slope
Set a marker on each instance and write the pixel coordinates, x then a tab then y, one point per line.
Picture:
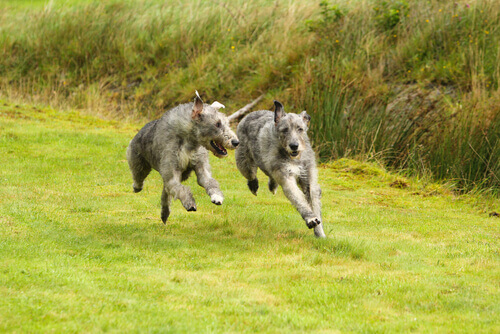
80	252
413	83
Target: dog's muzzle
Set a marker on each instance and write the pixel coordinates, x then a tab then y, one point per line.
294	150
218	148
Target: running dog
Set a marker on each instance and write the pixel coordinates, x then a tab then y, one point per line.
277	143
177	144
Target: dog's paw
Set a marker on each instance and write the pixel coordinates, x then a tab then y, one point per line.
189	206
137	186
313	222
217	199
165	212
253	185
273	186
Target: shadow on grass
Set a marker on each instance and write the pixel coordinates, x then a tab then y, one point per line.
341	247
222	236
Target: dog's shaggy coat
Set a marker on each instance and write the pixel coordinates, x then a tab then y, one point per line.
277	143
177	144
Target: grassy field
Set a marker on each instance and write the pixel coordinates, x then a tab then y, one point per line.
80	252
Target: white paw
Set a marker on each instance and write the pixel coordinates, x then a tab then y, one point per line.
217	199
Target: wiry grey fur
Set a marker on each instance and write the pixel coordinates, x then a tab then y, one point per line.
175	145
277	143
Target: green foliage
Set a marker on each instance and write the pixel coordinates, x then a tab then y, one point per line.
141	57
390	13
80	252
330	14
407	97
405	82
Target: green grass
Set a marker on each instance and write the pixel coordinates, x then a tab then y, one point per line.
80	252
37	4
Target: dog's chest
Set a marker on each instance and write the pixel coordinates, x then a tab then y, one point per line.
293	170
184	157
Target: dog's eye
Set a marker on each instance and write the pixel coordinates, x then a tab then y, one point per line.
285	130
218	124
300	129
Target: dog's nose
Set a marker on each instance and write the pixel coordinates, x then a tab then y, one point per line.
294	146
235	142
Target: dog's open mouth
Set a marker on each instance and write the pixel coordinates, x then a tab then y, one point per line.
294	153
219	149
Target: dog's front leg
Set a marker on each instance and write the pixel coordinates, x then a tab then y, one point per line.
316	207
298	199
174	188
312	191
205	180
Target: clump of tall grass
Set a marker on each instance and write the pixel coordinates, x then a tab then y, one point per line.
150	55
412	83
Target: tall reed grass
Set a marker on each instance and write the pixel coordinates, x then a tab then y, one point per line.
414	84
411	83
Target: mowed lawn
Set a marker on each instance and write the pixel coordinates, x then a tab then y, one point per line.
80	252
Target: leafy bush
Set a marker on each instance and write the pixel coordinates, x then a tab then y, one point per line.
390	13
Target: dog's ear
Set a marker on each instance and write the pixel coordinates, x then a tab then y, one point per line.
305	116
217	105
197	107
279	111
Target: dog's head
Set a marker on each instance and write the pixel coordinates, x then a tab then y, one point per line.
291	130
213	129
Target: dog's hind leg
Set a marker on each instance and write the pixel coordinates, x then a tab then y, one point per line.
166	199
253	185
139	167
247	168
173	187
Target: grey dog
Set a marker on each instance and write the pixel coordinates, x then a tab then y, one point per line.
177	144
277	143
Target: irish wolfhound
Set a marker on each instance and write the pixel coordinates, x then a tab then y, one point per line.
277	143
175	145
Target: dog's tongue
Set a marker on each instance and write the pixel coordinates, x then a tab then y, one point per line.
219	148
